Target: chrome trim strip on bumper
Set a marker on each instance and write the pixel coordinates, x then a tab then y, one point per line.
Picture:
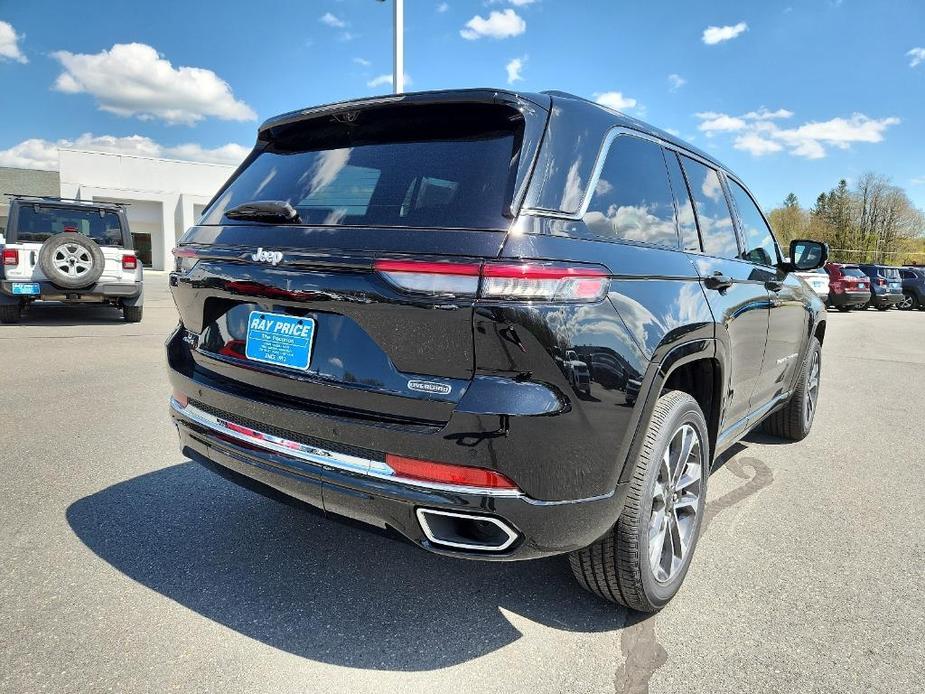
321	456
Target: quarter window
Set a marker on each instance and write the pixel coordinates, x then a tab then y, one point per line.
759	243
716	229
632	200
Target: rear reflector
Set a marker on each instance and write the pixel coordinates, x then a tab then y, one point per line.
462	475
10	256
129	262
508	281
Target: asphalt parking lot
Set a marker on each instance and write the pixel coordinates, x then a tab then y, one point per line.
127	568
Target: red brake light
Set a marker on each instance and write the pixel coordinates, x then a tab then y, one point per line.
70	229
461	475
509	281
881	282
129	262
10	256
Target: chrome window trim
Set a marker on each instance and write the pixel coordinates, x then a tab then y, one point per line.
329	459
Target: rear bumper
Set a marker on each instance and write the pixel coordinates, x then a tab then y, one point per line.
102	291
886	299
343	488
849	298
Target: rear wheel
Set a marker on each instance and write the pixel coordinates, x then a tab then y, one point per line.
642	560
10	313
883	307
795	419
909	302
132	314
844	309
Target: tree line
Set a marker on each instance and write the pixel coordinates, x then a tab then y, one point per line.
872	222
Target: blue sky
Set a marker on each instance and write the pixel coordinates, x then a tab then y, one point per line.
791	94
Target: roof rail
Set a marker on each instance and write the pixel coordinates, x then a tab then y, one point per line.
55	198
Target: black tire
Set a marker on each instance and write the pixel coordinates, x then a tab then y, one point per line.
132	314
71	261
844	309
10	313
794	421
617	566
883	307
911	301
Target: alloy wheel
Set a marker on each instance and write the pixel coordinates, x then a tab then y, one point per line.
812	389
72	260
676	503
906	303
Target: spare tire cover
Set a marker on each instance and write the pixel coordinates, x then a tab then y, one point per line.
71	261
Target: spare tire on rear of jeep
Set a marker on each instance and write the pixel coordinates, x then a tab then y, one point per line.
71	261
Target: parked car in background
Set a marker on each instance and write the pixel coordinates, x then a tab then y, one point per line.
73	251
848	287
390	312
818	281
913	279
886	286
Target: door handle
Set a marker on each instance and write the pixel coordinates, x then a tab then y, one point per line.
718	281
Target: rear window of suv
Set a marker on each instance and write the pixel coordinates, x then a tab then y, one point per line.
422	168
852	272
38	223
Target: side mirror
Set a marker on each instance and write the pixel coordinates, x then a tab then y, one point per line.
808	255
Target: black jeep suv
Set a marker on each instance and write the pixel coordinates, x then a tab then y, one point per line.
383	313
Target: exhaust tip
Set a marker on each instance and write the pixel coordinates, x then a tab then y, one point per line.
465	530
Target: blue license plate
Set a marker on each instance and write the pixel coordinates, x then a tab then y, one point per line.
30	288
281	340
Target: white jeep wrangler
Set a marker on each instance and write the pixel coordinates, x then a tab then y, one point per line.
68	250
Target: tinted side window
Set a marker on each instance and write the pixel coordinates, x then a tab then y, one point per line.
759	242
687	224
632	199
716	230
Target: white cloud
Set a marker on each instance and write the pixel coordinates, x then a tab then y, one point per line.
43	154
713	35
675	82
131	79
918	181
764	114
615	100
759	134
332	20
514	70
756	144
362	62
383	80
9	44
515	3
499	25
719	122
916	56
443	7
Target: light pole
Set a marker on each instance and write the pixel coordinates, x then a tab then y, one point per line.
398	46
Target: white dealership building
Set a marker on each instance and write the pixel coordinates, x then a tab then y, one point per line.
164	196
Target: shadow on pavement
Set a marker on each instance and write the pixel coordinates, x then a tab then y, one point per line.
317	588
57	314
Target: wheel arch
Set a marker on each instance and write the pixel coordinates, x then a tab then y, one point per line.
695	367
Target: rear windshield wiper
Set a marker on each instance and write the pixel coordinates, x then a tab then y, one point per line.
265	210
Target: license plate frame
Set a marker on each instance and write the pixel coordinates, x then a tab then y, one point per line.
280	339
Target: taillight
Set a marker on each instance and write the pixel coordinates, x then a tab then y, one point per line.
881	282
543	282
431	278
180	398
10	256
129	262
442	473
497	280
184	259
